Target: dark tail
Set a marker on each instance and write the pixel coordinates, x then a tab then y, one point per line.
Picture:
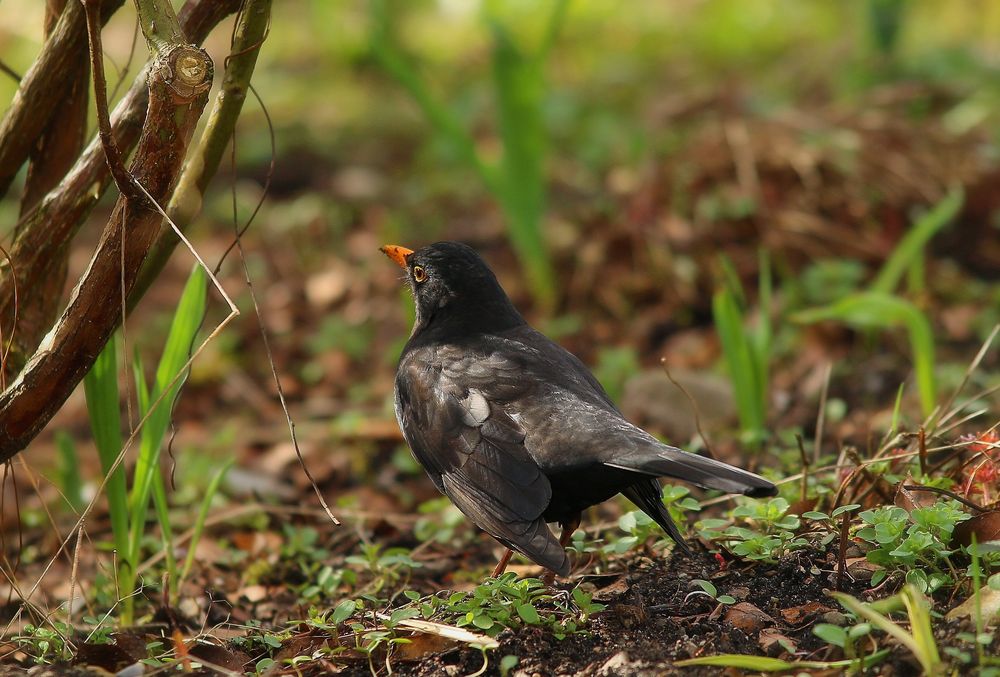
665	461
648	497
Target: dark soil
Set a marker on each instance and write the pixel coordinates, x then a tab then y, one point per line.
652	619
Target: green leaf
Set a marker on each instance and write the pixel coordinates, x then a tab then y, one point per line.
482	621
528	614
831	634
343	611
508	663
845	508
920	643
739	353
706	586
402	614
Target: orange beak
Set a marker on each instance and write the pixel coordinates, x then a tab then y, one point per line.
396	253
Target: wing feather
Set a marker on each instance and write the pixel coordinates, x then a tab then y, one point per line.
453	418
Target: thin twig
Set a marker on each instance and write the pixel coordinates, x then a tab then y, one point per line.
13	325
922	450
804	488
270	356
267	178
72	575
233	312
965	379
123	71
9	71
125	357
842	554
965	419
123	179
958	448
944	492
821	413
694	408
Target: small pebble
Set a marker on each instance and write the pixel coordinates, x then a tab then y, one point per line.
834	618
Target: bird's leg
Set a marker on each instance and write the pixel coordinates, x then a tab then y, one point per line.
502	564
568	527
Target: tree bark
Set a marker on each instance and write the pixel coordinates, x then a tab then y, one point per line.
43	237
61	141
39	96
179	79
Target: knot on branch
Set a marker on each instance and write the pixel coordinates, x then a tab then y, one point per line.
188	71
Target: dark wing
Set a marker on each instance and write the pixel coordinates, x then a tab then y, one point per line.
449	406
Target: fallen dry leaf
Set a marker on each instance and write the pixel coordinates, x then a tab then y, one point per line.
422	645
612	591
774	643
746	617
860	569
984	526
797	615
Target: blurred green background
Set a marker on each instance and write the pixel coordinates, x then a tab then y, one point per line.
642	176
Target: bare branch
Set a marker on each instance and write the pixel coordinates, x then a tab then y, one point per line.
248	35
176	100
43	236
159	25
124	180
42	89
64	136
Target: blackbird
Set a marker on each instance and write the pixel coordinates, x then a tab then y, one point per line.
513	428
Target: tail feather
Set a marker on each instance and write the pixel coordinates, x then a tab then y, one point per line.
648	497
665	461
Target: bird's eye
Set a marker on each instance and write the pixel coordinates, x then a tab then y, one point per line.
419	274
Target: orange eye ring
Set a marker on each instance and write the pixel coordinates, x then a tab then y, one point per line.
419	274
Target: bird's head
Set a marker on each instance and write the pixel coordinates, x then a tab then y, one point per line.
453	287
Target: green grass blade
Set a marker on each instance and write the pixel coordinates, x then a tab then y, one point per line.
920	626
199	523
741	661
765	664
520	89
908	251
862	610
877	310
101	388
444	122
162	508
555	22
518	182
761	346
737	353
187	319
70	482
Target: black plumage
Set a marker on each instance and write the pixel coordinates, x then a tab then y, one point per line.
512	427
